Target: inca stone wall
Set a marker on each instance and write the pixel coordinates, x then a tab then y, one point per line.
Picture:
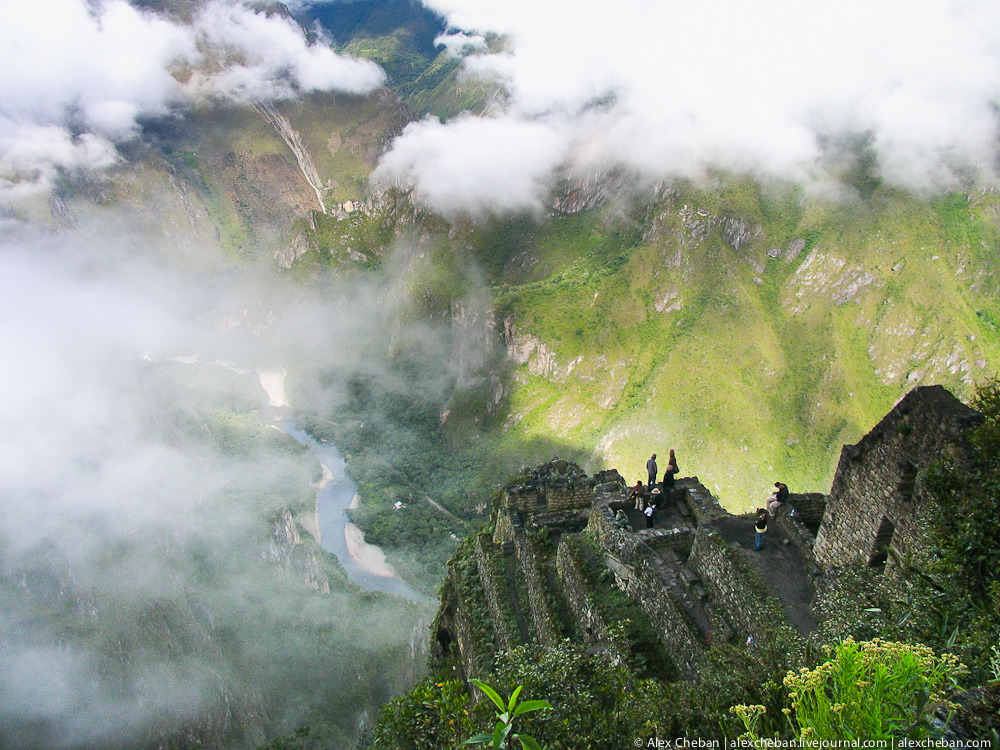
555	486
699	501
797	533
878	500
736	588
544	620
590	624
540	579
809	509
497	593
632	557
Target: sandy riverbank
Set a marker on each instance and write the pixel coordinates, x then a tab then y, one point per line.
365	555
368	557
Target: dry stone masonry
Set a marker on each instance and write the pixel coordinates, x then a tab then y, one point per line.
878	501
559	564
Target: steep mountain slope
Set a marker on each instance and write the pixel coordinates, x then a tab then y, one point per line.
753	330
751	327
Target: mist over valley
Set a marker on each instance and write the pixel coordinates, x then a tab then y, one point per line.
471	237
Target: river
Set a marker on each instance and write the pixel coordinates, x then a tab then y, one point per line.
364	563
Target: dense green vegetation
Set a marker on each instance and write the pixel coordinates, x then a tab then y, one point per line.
597	700
875	690
670	326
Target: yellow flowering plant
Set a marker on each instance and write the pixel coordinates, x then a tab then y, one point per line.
873	690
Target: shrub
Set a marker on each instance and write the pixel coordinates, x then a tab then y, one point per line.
873	690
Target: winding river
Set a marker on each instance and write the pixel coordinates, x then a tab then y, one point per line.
364	563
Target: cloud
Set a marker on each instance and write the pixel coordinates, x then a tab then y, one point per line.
678	88
265	57
86	73
459	43
136	599
475	164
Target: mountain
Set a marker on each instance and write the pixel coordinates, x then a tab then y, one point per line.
752	324
679	623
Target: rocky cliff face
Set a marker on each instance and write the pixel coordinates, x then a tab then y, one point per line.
287	548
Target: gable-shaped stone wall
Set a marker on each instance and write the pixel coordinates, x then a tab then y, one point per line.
878	501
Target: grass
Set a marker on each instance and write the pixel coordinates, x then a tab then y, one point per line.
751	380
652	329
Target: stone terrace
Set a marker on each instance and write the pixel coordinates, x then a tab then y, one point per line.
544	573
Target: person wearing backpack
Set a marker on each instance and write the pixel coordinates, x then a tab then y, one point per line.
760	526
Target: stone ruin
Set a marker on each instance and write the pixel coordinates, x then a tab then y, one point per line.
878	500
556	486
693	574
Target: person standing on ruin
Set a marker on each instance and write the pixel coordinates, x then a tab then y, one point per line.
760	526
650	519
651	470
668	476
636	494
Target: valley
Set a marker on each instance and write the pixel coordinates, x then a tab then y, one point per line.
451	294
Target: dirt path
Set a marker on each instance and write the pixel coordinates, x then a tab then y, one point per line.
781	566
447	512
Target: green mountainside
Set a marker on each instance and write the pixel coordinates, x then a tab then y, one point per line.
399	35
753	331
752	327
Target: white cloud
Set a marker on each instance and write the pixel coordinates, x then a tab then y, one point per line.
673	88
86	72
265	57
459	43
474	164
31	156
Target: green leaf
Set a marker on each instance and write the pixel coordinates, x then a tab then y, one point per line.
500	733
513	698
531	706
479	739
493	695
528	743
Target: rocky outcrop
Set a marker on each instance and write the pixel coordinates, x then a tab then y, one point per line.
826	275
287	548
